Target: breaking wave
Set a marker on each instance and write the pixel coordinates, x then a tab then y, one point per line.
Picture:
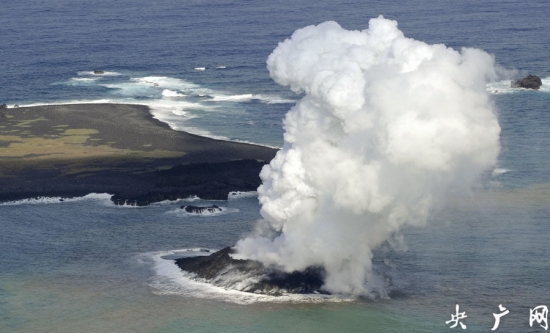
175	102
102	197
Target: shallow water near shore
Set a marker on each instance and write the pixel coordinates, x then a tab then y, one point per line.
101	272
88	266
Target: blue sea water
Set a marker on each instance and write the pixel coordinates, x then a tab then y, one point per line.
88	266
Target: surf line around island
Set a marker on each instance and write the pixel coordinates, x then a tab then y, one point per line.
120	149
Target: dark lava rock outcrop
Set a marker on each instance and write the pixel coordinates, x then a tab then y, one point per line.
251	276
99	72
209	181
529	82
201	209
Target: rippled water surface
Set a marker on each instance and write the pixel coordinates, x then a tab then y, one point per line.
88	266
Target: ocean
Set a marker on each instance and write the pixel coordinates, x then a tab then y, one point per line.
85	265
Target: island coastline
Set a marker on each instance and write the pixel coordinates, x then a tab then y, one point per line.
72	150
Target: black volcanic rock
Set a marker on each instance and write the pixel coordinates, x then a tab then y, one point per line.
201	209
209	181
99	72
529	82
222	270
4	106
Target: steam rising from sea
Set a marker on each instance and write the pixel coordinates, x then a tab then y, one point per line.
387	128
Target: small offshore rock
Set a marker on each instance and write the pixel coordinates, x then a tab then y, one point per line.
4	106
99	72
529	82
16	106
201	209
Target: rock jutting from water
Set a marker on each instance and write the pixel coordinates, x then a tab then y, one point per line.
222	270
529	82
201	209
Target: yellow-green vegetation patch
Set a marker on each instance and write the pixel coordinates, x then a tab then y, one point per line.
80	131
147	145
77	136
164	167
60	126
28	123
71	145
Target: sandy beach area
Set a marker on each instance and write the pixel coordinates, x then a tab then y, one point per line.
76	149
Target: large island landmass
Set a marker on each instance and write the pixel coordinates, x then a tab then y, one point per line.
76	149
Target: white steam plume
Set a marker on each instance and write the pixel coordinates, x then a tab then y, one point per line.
388	125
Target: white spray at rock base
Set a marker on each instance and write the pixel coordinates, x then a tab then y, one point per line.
387	127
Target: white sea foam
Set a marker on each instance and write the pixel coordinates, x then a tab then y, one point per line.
183	213
171	93
268	99
499	171
221	67
171	100
131	89
101	197
233	98
271	99
160	83
176	113
200	68
183	114
95	101
170	280
78	81
85	79
165	82
238	195
160	203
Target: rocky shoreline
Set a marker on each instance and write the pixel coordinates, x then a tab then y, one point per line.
220	269
73	150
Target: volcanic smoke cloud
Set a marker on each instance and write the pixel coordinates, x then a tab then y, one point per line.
387	127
